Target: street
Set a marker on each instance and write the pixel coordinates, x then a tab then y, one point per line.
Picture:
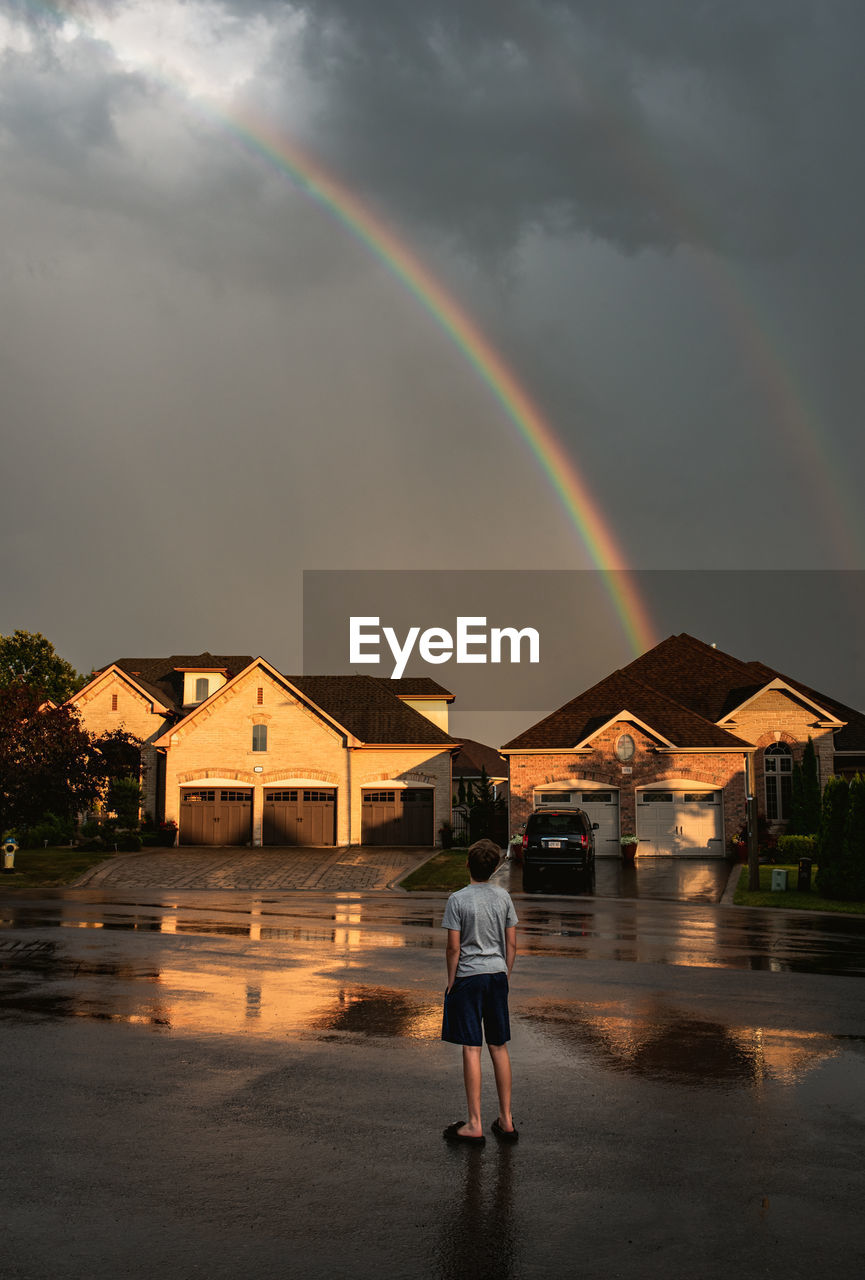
215	1083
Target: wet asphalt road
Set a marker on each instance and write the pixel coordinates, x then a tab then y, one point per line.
212	1084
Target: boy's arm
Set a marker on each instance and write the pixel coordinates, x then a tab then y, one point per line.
510	946
452	955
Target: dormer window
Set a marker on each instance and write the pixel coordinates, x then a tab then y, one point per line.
202	688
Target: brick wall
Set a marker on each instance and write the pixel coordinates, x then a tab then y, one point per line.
301	746
724	770
776	716
134	714
772	717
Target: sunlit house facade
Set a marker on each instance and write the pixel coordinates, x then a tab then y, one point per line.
236	753
663	749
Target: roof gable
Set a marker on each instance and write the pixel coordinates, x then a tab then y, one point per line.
574	725
356	706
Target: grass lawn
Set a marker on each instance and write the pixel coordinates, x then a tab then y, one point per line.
764	897
445	871
47	867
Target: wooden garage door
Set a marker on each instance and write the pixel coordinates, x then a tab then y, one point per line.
300	815
215	816
398	816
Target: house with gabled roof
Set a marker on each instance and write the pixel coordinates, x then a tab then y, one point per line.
667	748
237	753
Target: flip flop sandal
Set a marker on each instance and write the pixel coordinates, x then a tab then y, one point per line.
505	1135
452	1134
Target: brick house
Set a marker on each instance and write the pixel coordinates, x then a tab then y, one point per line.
662	749
236	753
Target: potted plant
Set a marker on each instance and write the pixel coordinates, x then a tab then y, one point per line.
628	845
515	846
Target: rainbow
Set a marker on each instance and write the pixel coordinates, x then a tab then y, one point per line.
584	513
259	135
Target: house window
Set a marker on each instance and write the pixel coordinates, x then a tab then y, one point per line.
114	702
778	768
202	688
552	797
259	737
625	748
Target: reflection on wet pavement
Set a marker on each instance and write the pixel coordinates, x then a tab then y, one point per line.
478	1235
660	879
665	1043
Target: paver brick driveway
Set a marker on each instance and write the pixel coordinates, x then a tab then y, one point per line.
343	869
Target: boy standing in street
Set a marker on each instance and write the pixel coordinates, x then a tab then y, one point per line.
481	947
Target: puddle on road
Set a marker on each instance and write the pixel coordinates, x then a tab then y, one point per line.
667	1044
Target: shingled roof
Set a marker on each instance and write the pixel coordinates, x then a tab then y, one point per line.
680	689
163	678
370	711
416	687
584	715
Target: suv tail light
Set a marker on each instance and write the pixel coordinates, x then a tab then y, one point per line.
525	842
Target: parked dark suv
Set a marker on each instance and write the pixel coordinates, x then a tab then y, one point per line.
558	843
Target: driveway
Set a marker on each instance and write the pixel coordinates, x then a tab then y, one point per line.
335	870
665	879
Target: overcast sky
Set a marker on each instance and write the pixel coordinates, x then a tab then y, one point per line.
653	210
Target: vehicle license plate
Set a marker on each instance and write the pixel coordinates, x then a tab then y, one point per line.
554	844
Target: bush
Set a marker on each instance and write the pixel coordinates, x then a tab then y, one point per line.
128	842
854	843
831	878
795	847
167	834
446	835
95	845
51	831
89	829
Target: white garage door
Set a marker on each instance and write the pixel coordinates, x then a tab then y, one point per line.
603	808
680	822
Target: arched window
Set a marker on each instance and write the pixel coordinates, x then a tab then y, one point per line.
202	688
778	767
259	737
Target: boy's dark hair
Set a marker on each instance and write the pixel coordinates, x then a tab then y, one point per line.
484	857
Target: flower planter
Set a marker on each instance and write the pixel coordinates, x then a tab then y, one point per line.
629	850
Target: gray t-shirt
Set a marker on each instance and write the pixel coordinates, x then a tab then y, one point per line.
482	913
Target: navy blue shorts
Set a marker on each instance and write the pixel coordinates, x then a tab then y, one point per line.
479	999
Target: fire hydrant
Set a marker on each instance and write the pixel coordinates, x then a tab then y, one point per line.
10	848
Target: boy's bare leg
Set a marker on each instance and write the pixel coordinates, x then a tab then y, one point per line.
473	1128
502	1069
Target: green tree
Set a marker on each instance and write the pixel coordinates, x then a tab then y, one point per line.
833	833
48	763
28	658
805	800
854	844
795	825
124	799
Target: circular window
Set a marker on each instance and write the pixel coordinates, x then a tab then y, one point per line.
625	747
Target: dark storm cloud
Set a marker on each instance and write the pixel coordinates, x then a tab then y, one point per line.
730	124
